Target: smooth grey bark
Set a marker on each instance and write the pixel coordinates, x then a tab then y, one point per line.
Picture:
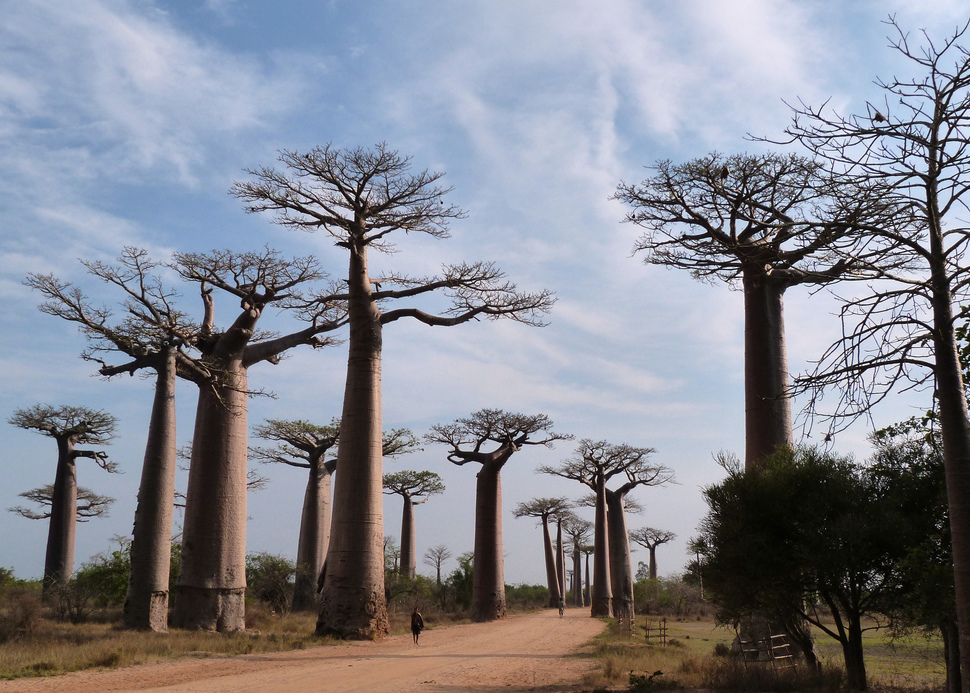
146	603
352	602
767	402
488	570
311	552
212	575
59	558
408	561
577	576
552	579
621	563
602	592
560	560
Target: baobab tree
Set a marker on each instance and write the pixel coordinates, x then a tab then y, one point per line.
89	503
913	139
305	445
490	437
212	575
579	531
414	488
361	197
544	508
650	538
69	427
594	464
770	222
155	335
435	557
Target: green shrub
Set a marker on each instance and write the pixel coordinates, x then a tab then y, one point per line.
270	580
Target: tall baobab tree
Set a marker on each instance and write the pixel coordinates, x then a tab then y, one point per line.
305	445
770	222
490	437
545	508
155	335
578	530
69	427
362	197
212	575
89	503
650	538
414	488
903	334
594	464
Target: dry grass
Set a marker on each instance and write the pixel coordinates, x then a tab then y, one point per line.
909	665
57	648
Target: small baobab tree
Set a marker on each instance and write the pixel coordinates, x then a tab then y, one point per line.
362	198
212	575
89	503
579	532
544	509
305	445
69	427
414	488
650	538
490	437
594	464
156	336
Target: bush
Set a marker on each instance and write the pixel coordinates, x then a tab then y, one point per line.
270	580
20	609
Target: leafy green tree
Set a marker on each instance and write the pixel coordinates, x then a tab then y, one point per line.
269	578
811	536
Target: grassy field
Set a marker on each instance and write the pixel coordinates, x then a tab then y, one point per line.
908	665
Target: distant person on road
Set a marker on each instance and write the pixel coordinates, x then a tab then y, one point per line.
562	606
417	624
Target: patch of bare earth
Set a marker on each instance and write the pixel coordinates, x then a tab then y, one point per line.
522	653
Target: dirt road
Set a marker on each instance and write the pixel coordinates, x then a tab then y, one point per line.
522	653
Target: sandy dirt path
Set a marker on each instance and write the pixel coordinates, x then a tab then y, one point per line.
522	653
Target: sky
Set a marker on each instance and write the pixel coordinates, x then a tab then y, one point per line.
125	123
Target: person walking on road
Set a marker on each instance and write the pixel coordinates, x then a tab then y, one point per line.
417	624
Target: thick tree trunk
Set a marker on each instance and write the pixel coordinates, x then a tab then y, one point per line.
560	561
855	663
552	580
951	655
488	574
653	562
146	604
767	404
352	601
602	593
955	430
59	561
311	552
587	598
408	560
212	577
621	563
577	576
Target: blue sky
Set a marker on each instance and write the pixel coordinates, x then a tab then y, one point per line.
125	123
